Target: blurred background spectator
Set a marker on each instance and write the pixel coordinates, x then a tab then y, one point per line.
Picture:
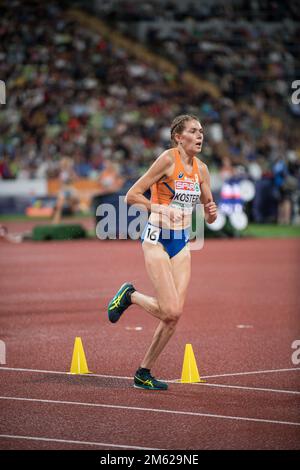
74	92
67	199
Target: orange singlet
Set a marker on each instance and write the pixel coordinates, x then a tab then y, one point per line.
181	189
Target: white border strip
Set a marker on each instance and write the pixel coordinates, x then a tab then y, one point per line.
154	410
18	369
64	441
250	373
241	387
294	392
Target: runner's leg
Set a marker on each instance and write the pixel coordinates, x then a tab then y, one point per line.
181	269
160	270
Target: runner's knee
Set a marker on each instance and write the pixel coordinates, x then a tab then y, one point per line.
172	314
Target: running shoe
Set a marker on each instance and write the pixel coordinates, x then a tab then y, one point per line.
120	302
143	379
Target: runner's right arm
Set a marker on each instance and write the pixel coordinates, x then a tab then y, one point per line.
135	195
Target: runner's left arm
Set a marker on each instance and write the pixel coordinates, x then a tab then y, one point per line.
210	207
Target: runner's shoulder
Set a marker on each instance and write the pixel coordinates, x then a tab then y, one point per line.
165	163
202	167
201	164
167	157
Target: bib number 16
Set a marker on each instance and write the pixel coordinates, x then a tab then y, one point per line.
152	234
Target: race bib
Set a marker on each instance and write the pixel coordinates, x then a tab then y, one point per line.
152	234
186	194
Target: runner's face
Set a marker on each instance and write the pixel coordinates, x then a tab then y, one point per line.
191	138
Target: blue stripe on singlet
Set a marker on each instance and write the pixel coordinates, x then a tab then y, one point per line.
169	187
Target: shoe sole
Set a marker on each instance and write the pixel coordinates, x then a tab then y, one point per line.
141	387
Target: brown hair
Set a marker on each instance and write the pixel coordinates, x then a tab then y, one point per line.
178	124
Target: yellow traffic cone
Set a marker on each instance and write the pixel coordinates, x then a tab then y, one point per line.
190	372
79	365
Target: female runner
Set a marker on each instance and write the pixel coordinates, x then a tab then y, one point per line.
178	180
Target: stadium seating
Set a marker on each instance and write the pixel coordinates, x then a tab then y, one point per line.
98	96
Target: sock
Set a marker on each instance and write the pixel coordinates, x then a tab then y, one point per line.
143	370
128	294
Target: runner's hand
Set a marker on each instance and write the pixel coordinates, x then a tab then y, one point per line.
210	212
175	215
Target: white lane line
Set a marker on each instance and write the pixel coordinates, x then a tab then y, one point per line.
242	387
154	410
249	373
18	369
294	392
64	441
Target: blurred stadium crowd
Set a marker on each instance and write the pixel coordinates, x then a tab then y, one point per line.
72	92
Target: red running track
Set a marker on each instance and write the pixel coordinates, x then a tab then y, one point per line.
241	316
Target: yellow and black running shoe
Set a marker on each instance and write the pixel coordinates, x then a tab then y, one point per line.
120	302
143	379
